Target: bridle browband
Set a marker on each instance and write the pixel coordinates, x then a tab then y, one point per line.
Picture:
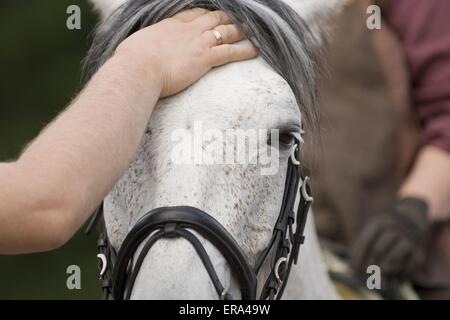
118	272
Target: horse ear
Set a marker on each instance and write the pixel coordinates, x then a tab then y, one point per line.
317	13
106	7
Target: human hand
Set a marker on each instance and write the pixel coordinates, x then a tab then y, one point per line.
181	49
395	241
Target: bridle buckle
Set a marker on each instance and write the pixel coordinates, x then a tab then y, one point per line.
298	136
305	193
104	264
223	295
278	265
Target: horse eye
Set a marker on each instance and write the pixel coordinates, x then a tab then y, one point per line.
285	139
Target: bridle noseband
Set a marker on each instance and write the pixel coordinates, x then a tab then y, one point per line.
118	272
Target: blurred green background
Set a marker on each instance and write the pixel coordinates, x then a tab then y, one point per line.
40	63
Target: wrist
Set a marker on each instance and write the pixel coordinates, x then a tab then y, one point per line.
122	85
144	76
412	205
430	180
414	212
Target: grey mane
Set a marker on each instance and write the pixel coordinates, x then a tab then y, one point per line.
282	35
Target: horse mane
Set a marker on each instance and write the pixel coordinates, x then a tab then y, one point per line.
285	41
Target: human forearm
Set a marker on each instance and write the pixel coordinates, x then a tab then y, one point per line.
430	181
90	145
77	159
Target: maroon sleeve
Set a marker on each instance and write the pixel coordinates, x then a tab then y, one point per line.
424	30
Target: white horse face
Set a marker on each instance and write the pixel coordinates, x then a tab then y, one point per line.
246	95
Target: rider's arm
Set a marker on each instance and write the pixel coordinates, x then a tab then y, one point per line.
430	181
48	193
423	28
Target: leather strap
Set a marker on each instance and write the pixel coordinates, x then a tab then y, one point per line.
184	218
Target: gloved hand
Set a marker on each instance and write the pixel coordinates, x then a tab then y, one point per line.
395	241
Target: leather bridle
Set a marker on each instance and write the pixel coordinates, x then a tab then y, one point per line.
118	272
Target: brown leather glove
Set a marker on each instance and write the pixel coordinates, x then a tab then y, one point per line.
395	241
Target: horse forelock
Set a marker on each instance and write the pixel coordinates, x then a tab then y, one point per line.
284	38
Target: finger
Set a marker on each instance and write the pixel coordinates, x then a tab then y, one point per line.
385	244
230	34
190	15
363	247
211	20
396	260
227	53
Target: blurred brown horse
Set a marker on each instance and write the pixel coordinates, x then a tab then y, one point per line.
370	137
